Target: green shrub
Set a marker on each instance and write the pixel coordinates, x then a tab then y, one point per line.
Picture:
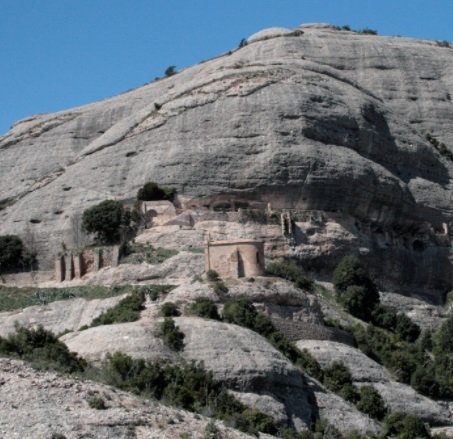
171	335
169	309
406	328
170	71
290	270
42	349
107	220
368	31
309	364
399	323
96	402
204	307
153	192
338	379
133	253
127	310
219	288
212	275
371	402
403	426
188	386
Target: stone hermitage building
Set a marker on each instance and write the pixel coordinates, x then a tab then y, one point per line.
235	258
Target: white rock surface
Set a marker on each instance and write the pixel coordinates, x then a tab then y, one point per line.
318	119
57	317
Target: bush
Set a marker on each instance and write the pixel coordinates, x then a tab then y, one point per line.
219	288
371	402
170	71
399	323
169	309
240	312
96	402
127	310
153	192
107	220
11	252
338	379
212	275
354	288
404	426
188	386
204	307
291	271
406	328
171	335
42	349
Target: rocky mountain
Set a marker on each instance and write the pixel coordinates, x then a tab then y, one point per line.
313	119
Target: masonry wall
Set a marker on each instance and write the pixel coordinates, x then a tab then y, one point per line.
235	258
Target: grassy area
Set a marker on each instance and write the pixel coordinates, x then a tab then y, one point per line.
12	298
138	253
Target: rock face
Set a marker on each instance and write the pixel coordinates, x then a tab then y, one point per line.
313	119
38	405
399	397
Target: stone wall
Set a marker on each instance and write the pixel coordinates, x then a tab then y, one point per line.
76	265
297	330
238	258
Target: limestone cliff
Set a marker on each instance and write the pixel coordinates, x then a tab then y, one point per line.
313	119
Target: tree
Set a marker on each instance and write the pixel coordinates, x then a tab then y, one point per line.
11	252
107	220
354	288
371	402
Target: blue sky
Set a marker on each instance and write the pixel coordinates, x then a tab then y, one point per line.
56	54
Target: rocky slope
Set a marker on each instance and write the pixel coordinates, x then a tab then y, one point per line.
38	405
312	118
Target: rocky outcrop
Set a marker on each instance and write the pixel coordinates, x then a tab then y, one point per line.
57	317
313	119
38	405
237	356
398	397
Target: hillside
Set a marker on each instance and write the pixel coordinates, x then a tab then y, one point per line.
226	313
313	119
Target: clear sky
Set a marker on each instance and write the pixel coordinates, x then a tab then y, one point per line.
56	54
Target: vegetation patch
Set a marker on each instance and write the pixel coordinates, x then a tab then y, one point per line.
14	256
204	307
169	309
133	253
172	336
110	222
96	402
188	386
42	349
440	146
292	271
127	310
153	192
12	298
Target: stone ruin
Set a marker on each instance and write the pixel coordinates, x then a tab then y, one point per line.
76	265
236	258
